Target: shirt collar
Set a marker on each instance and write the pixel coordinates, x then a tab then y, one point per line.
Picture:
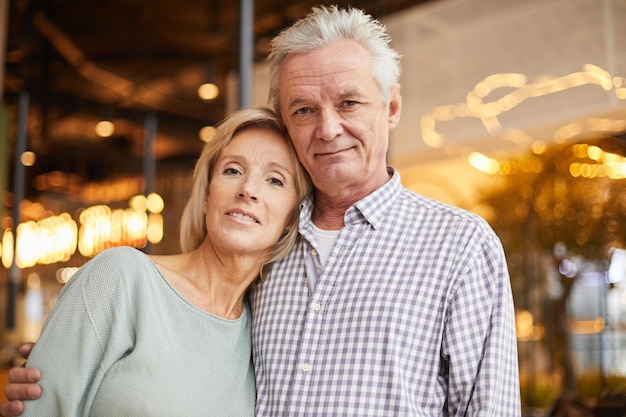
372	208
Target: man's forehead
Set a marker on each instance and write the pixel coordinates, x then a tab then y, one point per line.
299	93
341	53
340	77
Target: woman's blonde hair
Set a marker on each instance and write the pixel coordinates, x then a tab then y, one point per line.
193	223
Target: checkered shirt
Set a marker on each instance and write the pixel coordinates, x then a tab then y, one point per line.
412	315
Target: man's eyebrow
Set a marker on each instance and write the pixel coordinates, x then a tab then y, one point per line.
354	92
296	102
348	94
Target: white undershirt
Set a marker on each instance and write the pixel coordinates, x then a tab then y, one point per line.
325	241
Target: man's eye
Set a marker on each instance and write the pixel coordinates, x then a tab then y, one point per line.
350	103
303	110
275	181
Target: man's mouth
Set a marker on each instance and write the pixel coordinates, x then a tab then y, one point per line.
332	153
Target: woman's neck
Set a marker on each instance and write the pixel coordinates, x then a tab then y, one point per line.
212	284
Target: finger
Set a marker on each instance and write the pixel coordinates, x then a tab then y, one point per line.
11	408
24	349
22	391
18	375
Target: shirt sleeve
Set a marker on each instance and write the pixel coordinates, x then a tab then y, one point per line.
82	336
480	340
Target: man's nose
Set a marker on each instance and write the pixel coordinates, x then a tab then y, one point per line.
329	125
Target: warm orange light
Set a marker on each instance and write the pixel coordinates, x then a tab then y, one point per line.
28	158
208	91
105	128
206	133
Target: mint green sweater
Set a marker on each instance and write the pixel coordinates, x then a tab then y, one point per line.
121	342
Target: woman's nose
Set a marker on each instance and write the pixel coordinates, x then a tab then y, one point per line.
246	191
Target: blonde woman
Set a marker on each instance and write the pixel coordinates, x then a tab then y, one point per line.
144	335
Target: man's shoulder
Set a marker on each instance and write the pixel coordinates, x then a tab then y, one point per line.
429	203
424	205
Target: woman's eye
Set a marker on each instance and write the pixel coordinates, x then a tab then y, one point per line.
231	171
275	181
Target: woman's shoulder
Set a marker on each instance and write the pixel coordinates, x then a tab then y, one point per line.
110	280
120	258
118	266
121	253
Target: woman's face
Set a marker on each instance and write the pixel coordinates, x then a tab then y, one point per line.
252	193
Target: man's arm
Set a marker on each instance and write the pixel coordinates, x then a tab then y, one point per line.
480	339
22	386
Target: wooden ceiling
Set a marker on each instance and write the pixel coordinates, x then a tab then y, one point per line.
82	60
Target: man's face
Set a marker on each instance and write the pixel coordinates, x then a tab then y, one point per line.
335	115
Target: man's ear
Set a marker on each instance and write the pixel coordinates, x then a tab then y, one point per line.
395	106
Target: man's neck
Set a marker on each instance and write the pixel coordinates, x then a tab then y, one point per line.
329	210
331	206
328	219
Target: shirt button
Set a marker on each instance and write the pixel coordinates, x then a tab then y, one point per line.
305	367
314	252
317	306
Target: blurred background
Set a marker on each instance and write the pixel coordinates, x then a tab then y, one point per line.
515	110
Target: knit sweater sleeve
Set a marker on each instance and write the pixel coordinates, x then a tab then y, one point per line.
89	328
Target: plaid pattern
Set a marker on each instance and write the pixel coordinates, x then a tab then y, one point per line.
411	316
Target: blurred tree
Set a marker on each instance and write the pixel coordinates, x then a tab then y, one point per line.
565	204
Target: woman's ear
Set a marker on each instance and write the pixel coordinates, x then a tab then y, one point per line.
204	203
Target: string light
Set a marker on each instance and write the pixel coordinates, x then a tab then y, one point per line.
55	239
